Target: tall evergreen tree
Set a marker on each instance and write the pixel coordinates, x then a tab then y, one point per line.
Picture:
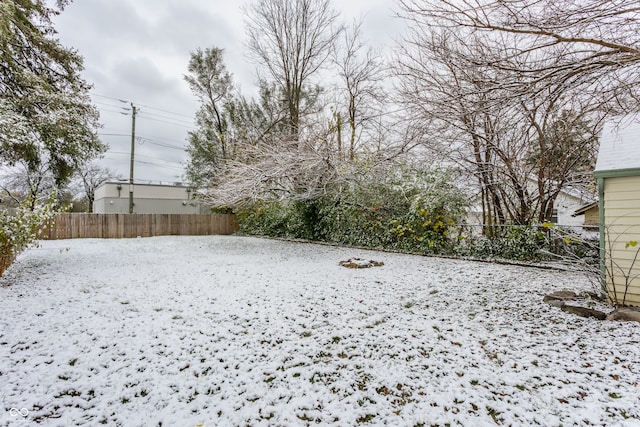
227	123
46	116
211	143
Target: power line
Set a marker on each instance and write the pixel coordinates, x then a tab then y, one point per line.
176	147
114	134
108	105
144	139
169	118
120	131
148	115
145	162
169	123
159	164
109	97
165	111
143	155
111	111
142	105
153	137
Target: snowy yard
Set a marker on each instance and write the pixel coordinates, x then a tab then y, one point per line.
232	331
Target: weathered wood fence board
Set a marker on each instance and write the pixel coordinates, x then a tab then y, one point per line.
117	226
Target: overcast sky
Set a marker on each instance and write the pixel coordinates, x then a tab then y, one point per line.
138	50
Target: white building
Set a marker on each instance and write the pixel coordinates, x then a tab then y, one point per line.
567	207
564	213
113	197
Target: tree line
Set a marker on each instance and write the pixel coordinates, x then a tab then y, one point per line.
509	95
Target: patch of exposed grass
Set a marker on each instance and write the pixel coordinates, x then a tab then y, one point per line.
365	418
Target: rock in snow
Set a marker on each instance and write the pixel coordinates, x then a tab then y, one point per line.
625	314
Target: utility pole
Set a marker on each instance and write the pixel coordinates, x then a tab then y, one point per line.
133	146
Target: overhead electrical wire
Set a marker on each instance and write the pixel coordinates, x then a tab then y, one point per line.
154	138
381	114
112	105
113	154
113	134
146	106
166	111
160	164
151	116
160	144
112	130
111	111
110	97
166	122
146	162
107	107
143	139
145	156
165	117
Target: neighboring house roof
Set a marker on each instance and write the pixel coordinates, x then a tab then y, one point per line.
620	145
571	194
579	195
585	208
147	184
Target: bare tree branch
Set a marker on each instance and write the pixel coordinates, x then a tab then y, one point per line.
555	45
520	150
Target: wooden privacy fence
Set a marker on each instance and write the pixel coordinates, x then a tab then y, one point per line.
117	226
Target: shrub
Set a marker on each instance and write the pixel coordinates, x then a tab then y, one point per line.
412	212
304	219
348	221
20	231
521	243
515	242
424	229
263	219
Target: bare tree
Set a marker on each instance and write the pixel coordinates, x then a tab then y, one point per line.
360	70
555	45
292	39
304	157
521	151
90	176
26	182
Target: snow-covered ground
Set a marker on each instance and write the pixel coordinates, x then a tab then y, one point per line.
235	331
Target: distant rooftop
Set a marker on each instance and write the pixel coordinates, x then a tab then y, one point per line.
620	145
154	183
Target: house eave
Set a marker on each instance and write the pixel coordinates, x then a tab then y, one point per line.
585	208
617	173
